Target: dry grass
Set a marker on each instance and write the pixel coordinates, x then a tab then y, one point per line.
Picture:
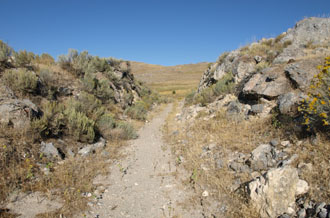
229	136
318	178
181	78
68	180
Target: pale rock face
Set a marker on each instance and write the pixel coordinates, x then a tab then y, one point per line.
270	84
274	193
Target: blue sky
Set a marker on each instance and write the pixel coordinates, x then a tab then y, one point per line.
167	32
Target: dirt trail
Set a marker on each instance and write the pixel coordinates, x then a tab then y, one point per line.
144	183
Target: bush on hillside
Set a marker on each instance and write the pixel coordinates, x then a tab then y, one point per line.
21	80
45	58
23	58
137	111
5	52
316	108
87	104
105	125
52	123
100	88
64	119
127	131
223	86
97	64
75	62
268	49
80	127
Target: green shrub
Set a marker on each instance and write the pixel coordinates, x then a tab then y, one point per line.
127	131
21	80
316	108
100	88
52	122
105	125
189	99
115	63
97	64
23	58
103	91
5	52
137	111
87	104
65	119
75	62
223	86
79	126
46	76
45	58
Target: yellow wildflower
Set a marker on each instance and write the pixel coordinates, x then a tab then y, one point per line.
324	115
325	123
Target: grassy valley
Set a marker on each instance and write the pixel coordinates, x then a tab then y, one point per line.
180	79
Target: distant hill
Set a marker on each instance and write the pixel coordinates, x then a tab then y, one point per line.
166	79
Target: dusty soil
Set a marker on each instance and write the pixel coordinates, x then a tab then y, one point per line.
146	183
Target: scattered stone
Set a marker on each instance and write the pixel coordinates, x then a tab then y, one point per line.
262	157
258	59
323	213
274	142
285	143
49	150
87	150
205	194
257	108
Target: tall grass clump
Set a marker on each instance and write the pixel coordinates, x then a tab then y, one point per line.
316	108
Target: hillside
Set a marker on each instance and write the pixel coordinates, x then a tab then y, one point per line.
257	127
86	136
166	79
61	125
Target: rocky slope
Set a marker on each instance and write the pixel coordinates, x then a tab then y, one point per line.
266	80
56	117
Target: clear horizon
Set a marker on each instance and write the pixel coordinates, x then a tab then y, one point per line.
155	32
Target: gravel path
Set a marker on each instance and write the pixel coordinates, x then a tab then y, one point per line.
144	183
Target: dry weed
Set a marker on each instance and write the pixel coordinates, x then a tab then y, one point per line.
229	136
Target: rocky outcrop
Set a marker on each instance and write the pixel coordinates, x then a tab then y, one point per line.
279	77
311	31
270	83
274	193
17	113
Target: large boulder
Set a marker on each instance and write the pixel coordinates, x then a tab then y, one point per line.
269	84
274	193
17	113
